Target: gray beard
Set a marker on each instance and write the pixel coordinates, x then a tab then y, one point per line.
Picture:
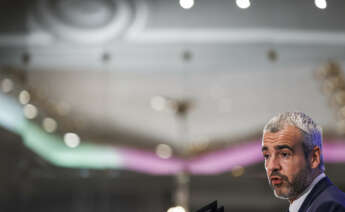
297	185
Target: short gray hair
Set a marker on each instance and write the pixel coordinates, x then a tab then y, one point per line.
312	132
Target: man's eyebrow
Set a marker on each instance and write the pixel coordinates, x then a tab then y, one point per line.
279	147
264	148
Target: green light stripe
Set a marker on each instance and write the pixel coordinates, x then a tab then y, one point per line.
51	147
86	155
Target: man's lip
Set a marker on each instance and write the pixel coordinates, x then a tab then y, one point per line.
276	180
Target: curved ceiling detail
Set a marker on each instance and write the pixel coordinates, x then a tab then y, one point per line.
85	22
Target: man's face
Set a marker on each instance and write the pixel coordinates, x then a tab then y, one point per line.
287	170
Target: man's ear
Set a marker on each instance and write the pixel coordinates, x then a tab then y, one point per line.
315	157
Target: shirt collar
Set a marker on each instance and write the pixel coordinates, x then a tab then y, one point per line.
296	204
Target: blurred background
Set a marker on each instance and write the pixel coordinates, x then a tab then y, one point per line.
157	105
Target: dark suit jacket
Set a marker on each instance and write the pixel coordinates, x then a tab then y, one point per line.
324	197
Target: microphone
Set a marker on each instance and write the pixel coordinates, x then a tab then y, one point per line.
212	207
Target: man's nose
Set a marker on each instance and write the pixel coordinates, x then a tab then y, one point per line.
273	164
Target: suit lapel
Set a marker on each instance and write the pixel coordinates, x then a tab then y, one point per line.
318	188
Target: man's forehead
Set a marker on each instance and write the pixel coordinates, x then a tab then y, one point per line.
288	135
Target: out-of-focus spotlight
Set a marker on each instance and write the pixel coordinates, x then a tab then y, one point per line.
243	4
321	4
186	4
72	140
158	103
164	151
237	171
7	85
30	111
176	209
24	97
49	125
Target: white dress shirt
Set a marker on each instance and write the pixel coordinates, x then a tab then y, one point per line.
295	205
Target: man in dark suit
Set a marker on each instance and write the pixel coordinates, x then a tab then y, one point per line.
292	148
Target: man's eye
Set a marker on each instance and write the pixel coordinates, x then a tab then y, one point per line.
285	154
266	156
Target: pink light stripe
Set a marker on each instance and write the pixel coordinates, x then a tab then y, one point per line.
334	151
215	162
149	162
226	159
